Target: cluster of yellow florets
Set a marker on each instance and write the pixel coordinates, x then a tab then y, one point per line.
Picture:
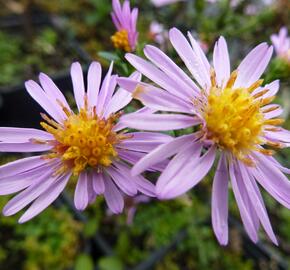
84	140
121	40
234	118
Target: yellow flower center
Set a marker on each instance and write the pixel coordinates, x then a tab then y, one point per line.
83	141
121	40
234	118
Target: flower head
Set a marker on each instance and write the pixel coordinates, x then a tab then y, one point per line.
125	21
281	44
232	119
91	144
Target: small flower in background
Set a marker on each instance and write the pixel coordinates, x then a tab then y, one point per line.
281	44
91	144
157	33
235	3
160	3
251	9
234	121
203	45
125	21
268	2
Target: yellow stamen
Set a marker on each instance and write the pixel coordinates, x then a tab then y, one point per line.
266	152
249	162
274	122
255	85
274	129
275	144
48	128
64	108
267	100
232	79
213	77
50	121
270	109
261	93
121	40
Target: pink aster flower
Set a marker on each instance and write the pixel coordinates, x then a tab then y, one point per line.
160	3
125	21
233	122
281	44
90	144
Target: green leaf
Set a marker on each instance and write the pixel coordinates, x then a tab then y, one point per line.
109	263
84	262
109	56
91	227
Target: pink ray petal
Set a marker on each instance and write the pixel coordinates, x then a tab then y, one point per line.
219	202
94	82
45	199
81	197
78	84
113	196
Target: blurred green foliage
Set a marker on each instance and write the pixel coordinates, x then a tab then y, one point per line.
11	68
50	241
84	262
41	243
22	59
